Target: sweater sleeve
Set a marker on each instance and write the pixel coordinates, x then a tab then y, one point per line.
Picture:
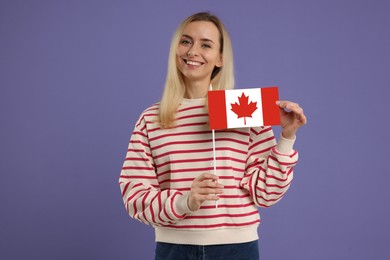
141	193
269	166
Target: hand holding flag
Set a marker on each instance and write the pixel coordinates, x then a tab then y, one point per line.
254	107
291	119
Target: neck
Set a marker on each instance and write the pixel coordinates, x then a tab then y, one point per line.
197	89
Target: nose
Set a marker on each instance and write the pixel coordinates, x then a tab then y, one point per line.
192	51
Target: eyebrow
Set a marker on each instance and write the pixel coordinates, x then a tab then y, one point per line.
203	39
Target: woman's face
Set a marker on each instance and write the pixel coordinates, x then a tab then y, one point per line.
198	51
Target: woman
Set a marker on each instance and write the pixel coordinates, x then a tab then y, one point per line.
167	178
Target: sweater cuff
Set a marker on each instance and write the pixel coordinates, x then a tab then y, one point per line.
181	205
285	146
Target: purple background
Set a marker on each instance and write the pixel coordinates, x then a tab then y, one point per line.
75	75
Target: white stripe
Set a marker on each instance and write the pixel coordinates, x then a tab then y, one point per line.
232	97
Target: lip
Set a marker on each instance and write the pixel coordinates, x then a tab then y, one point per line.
193	61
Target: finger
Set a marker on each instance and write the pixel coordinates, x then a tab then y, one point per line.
206	184
286	104
207	176
211	184
293	107
303	119
207	191
282	103
199	199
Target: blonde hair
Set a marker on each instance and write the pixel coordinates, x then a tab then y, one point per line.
221	78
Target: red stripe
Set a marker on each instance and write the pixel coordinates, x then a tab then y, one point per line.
165	210
200	169
267	200
223	215
282	154
269	192
137	159
153	107
217	109
200	151
172	208
190	116
266	129
139	151
190	108
221	196
228	206
139	133
137	177
271	113
282	163
262	131
137	168
177	180
245	133
135	150
125	188
216	225
254	164
276	169
231	140
148	114
143	128
236	187
159	207
251	185
181	142
139	142
261	141
234	196
135	194
177	126
181	133
273	185
151	208
135	208
200	160
143	205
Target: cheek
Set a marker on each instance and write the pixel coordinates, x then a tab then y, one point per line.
178	57
180	51
214	58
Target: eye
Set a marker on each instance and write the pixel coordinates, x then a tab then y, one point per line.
205	45
185	42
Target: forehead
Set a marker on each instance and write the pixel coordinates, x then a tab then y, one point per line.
202	30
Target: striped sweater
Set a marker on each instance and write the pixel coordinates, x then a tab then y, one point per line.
161	164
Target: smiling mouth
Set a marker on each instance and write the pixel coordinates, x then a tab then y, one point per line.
193	63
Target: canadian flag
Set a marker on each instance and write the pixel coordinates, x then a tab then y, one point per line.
243	108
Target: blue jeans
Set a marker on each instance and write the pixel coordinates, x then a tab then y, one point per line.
243	251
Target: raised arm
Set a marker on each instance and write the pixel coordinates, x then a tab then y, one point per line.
270	165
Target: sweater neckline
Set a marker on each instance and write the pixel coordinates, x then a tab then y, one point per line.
193	101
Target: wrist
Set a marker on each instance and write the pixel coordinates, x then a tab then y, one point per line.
285	145
190	205
289	134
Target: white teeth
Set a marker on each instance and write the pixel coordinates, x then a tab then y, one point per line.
194	63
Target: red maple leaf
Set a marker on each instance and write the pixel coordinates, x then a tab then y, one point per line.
244	109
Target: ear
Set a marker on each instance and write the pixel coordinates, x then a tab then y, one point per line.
219	62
